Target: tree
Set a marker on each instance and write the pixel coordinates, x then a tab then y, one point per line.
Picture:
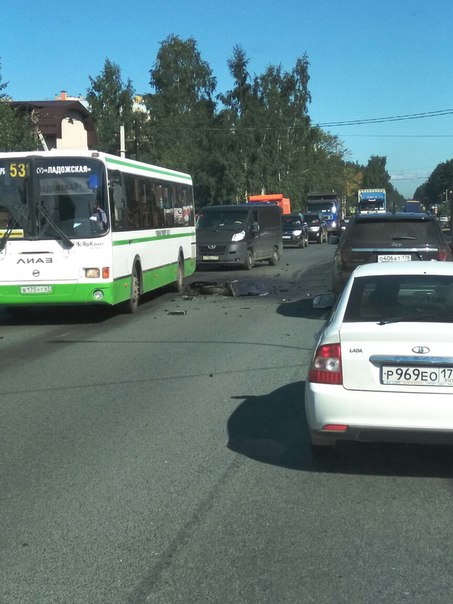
16	130
236	135
375	175
283	127
182	112
439	186
111	102
268	125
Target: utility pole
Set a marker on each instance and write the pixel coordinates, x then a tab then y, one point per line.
451	208
122	142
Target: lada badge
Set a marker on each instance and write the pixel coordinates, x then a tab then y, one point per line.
420	349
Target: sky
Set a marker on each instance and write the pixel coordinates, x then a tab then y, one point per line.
368	60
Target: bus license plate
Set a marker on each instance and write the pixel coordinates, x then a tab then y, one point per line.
417	376
210	257
36	289
394	258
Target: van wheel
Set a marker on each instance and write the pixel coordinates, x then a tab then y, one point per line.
249	260
273	260
131	305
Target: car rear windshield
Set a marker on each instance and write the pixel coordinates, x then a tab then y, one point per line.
402	298
291	221
312	218
386	232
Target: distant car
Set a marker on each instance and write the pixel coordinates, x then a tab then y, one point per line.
295	230
444	221
331	223
317	227
344	222
382	369
387	237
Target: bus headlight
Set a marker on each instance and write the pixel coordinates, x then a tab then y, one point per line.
92	273
98	294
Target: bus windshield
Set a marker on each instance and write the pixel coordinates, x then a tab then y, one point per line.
52	198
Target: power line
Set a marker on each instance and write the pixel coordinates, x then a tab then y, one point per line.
399	135
392	118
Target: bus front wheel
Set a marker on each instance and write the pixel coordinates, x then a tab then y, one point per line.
132	303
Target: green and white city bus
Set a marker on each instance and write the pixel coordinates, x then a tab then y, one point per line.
81	227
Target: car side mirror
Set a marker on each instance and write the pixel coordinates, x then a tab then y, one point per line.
324	301
334	239
255	228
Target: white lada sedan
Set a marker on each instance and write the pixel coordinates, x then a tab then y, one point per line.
382	369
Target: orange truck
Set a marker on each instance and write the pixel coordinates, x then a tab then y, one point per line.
277	198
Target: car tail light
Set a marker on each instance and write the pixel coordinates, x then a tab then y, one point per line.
326	365
442	254
335	428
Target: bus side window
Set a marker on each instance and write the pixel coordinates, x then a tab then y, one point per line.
133	202
179	205
167	196
117	201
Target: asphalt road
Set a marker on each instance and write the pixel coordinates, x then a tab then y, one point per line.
164	458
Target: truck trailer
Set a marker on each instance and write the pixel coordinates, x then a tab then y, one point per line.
371	200
275	198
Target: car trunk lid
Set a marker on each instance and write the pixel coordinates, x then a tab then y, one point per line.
397	353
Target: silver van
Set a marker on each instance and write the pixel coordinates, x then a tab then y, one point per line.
238	235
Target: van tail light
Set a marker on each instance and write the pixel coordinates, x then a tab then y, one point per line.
326	365
442	254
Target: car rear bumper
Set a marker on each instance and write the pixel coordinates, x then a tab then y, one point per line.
291	239
379	416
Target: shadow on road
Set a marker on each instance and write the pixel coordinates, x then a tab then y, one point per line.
302	308
272	429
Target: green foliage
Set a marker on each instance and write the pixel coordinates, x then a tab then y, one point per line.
439	186
16	130
182	113
255	138
375	175
110	102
